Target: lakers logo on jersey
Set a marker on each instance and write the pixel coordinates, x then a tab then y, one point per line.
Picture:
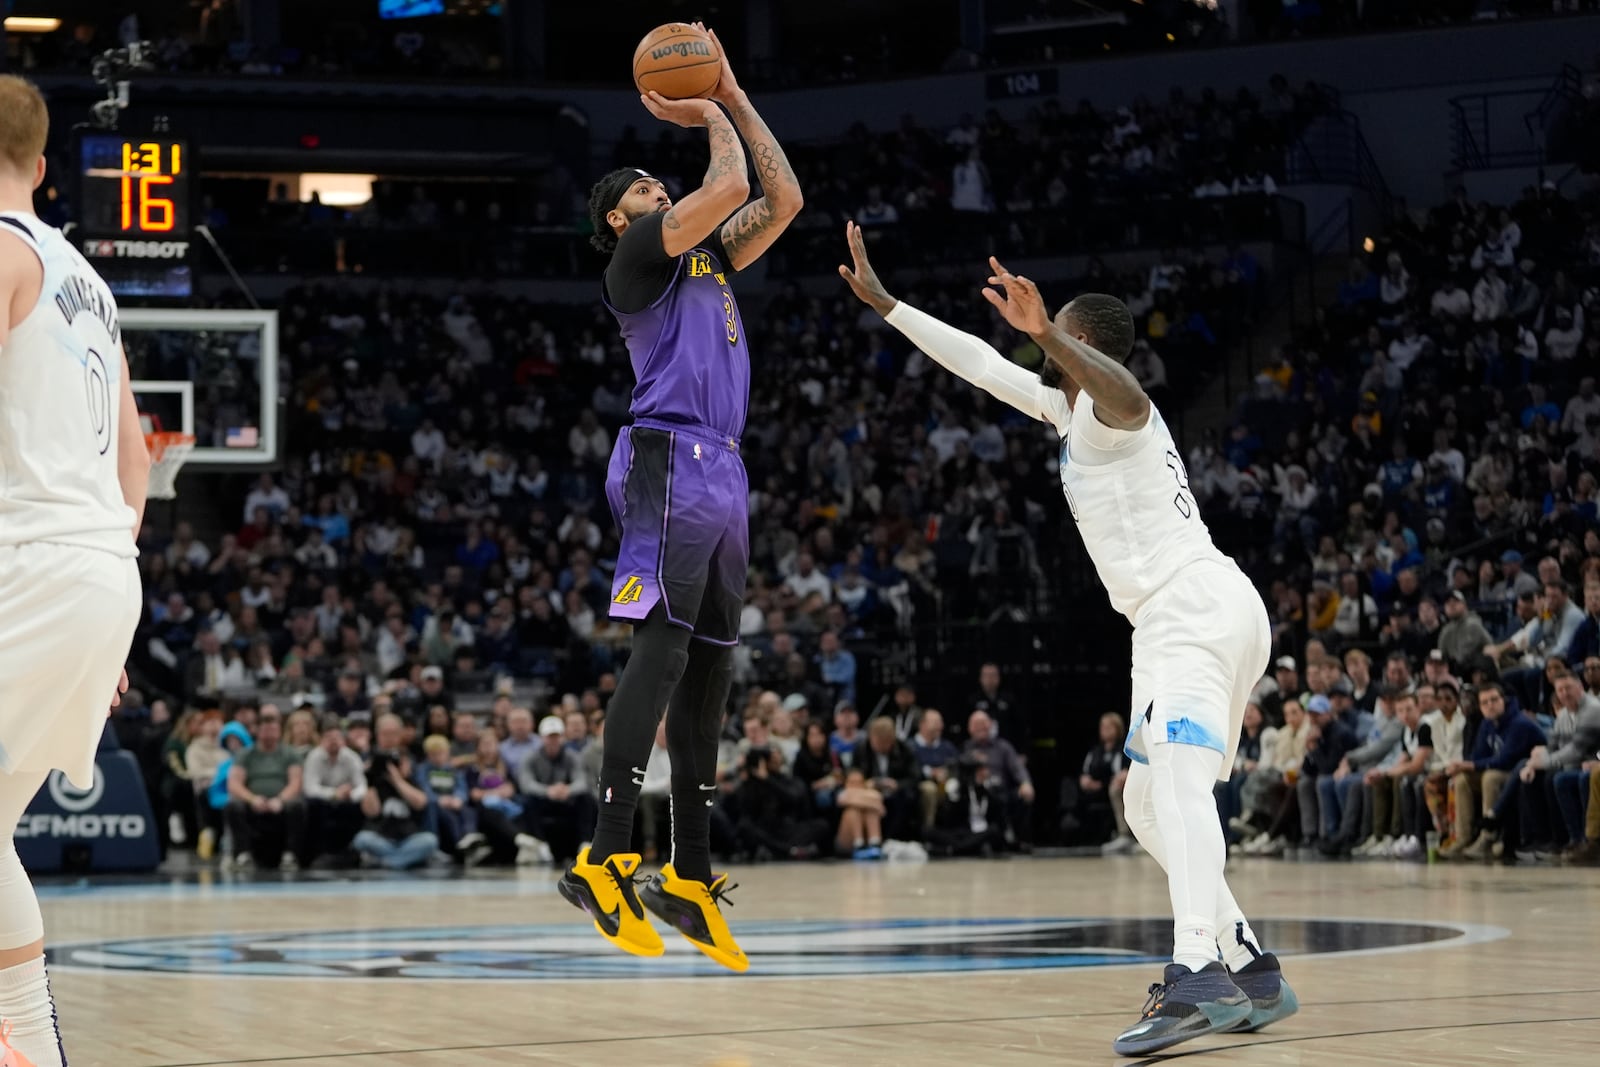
700	265
630	591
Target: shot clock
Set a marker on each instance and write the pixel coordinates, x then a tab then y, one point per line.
134	187
134	217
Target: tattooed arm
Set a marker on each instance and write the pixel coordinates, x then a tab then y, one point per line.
751	232
1119	401
694	218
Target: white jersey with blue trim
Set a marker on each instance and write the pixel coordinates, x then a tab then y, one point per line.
1129	494
60	403
1127	489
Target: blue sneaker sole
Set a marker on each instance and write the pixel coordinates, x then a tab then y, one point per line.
1266	1013
1218	1018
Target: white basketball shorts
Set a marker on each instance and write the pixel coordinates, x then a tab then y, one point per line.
1200	645
67	617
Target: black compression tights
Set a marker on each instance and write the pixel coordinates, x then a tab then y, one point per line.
666	666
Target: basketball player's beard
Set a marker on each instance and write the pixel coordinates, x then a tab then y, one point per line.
1050	374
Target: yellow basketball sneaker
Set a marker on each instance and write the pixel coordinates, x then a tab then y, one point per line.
10	1057
605	892
690	908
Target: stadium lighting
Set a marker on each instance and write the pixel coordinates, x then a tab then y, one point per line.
31	24
338	190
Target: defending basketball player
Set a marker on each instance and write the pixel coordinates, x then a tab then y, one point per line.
71	499
678	490
1201	638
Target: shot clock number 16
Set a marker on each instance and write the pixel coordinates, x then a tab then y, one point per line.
134	187
145	170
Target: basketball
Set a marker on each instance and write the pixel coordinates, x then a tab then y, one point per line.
678	61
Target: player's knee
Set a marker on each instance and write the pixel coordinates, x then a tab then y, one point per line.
720	670
674	663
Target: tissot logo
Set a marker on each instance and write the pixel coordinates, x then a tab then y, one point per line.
777	950
136	249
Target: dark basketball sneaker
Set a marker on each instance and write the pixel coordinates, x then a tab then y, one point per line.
691	908
1187	1004
1271	998
604	891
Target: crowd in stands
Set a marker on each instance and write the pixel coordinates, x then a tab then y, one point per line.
1183	170
936	195
1422	462
407	776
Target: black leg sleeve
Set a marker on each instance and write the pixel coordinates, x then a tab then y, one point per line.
660	653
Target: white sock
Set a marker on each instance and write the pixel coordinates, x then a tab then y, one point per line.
1239	945
1194	943
25	1003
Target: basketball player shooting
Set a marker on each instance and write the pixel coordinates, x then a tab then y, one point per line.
678	490
71	501
1201	638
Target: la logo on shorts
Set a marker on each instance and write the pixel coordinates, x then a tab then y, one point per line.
630	591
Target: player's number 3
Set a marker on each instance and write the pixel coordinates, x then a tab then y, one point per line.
733	319
1181	500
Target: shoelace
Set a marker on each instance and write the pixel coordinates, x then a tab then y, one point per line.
625	883
1158	991
720	896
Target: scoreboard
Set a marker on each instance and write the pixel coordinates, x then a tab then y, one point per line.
135	212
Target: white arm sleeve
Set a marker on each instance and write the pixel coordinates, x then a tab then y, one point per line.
972	358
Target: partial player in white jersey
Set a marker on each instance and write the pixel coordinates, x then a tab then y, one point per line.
1201	638
73	472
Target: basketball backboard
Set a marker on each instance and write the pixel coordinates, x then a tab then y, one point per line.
212	373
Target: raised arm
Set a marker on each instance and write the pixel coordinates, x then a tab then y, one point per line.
959	352
690	221
1119	401
756	225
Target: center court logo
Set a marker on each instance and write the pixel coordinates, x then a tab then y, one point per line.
568	952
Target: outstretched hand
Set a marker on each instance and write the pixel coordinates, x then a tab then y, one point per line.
727	88
863	280
1021	306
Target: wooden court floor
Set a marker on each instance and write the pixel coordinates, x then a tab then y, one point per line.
1025	961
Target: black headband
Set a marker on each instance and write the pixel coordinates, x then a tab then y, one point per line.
617	186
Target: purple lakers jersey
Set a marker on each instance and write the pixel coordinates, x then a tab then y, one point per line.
688	349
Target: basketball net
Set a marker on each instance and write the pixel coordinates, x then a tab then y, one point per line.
167	454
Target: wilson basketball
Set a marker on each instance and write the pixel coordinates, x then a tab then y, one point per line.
678	61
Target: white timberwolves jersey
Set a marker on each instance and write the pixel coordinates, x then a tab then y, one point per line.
1129	494
60	391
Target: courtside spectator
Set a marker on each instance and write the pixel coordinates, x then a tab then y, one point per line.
394	837
1008	779
891	769
558	801
936	759
1505	737
265	815
1098	809
334	783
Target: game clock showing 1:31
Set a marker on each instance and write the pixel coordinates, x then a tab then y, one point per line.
134	187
